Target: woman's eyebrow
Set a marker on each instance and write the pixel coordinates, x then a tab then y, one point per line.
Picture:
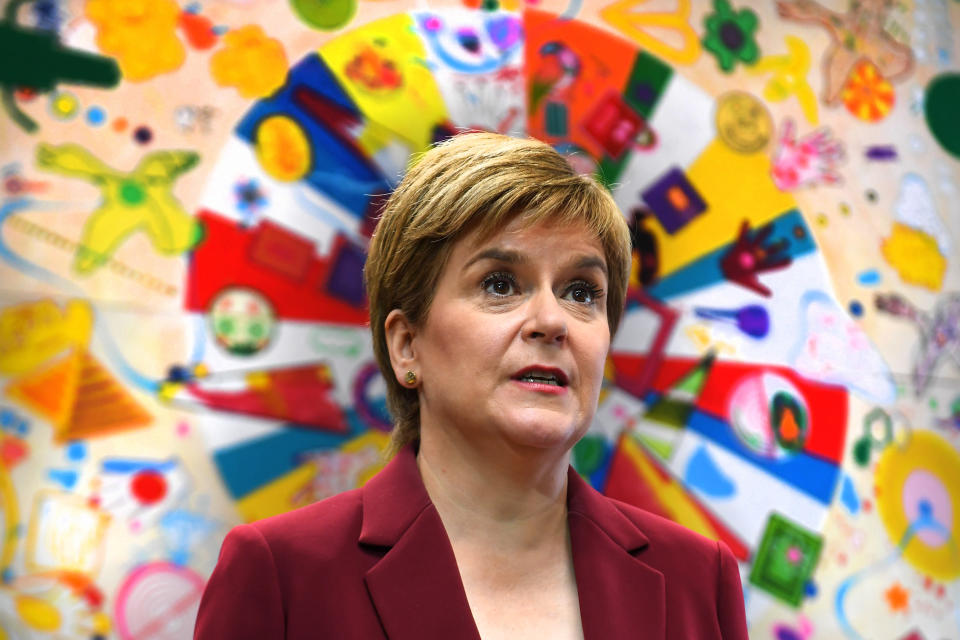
592	261
515	257
500	255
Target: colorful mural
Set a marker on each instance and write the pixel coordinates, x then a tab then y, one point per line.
188	190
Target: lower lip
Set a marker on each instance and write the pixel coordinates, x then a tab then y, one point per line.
541	387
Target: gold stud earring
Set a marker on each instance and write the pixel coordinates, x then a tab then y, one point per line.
411	377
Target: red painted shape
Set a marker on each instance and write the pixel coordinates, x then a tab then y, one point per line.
232	255
299	395
626	483
198	30
148	487
827	404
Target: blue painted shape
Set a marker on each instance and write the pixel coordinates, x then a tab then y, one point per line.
869	278
248	466
131	465
705	271
501	31
806	473
704	475
66	478
848	496
339	169
76	451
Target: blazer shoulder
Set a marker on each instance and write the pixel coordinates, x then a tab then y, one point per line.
667	535
330	525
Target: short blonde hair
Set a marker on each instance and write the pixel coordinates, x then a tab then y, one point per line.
475	182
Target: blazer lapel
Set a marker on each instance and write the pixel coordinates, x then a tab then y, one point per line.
620	596
415	586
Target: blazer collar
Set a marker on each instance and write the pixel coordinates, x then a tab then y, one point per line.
416	586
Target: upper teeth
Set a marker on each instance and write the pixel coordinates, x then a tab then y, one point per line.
547	378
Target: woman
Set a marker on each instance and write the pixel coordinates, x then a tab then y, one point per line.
496	278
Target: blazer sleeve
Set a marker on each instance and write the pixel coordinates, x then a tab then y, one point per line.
242	599
731	615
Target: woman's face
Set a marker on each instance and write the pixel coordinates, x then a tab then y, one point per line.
514	343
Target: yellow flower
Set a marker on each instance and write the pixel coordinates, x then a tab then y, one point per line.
140	34
250	61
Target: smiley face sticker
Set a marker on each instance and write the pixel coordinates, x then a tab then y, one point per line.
743	122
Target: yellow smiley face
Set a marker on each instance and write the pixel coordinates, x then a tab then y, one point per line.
743	123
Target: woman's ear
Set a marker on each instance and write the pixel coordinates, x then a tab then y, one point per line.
403	358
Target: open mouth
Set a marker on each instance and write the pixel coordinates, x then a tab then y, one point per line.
537	375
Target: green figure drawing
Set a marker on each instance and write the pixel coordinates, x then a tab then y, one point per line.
134	201
35	59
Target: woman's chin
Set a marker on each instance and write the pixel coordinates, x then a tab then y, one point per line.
542	429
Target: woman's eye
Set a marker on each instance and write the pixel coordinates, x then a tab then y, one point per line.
498	285
583	292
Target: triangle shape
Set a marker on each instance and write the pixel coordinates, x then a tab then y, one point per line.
51	390
102	405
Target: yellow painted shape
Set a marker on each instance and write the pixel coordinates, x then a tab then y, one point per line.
33	333
670	492
283	148
789	77
376	439
140	34
927	452
250	61
634	24
411	110
38	614
916	256
9	519
277	496
736	187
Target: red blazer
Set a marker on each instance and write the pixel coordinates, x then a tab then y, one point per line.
376	563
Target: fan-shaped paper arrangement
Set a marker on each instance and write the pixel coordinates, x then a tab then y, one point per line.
721	440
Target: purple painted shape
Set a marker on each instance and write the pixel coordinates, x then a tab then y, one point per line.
881	152
664	207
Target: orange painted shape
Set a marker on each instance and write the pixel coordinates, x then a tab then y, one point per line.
788	426
51	390
103	406
605	61
678	199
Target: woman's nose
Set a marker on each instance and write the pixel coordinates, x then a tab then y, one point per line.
545	319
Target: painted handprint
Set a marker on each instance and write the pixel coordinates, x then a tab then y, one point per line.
751	255
808	161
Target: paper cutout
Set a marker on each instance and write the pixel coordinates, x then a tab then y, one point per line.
790	77
623	15
858	34
80	398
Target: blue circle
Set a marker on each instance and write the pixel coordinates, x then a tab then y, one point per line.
810	588
856	309
96	116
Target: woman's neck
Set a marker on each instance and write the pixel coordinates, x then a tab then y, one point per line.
495	494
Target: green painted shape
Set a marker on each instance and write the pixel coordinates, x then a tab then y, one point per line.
132	193
693	382
941	107
588	454
646	83
774	571
662	448
670	412
325	15
35	59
